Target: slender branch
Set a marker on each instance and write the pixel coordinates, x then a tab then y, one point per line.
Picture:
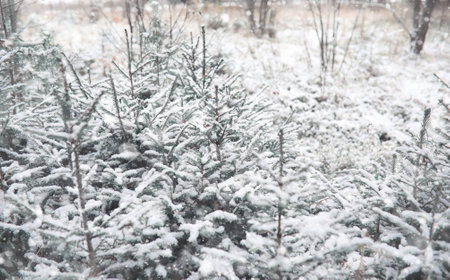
116	103
204	56
442	81
396	16
351	38
169	155
77	78
130	61
172	89
120	70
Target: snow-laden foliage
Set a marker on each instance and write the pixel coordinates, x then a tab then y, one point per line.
167	169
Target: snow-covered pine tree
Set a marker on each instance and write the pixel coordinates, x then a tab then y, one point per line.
45	182
268	196
220	124
419	207
20	164
271	198
403	208
320	230
137	224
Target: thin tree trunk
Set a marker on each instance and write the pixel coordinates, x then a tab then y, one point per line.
204	58
5	30
130	60
272	14
218	142
82	201
280	184
435	206
202	172
263	10
251	15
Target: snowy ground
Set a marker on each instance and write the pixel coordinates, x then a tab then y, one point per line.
379	88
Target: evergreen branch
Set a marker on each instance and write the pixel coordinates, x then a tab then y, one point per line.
172	90
397	221
116	103
425	121
169	155
77	78
85	117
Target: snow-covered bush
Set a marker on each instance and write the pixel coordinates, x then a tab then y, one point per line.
129	185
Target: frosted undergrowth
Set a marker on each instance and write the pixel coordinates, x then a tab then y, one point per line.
375	92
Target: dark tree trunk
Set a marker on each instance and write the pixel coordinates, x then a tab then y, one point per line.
12	15
420	32
417	6
272	14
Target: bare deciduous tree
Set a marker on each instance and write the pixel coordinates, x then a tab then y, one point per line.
265	16
421	18
9	12
327	22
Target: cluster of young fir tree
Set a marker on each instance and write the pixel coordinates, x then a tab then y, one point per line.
167	170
